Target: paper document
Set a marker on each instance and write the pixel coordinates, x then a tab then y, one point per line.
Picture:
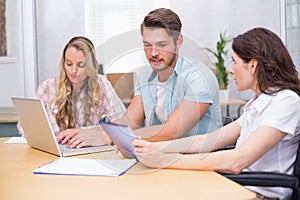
16	140
86	167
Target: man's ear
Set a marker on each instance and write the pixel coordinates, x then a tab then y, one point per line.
179	40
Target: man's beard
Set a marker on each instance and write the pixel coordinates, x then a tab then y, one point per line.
167	65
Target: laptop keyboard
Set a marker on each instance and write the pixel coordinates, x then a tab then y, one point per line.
65	149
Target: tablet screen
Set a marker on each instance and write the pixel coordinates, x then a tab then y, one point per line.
122	136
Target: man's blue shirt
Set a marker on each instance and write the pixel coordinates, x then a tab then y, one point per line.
191	81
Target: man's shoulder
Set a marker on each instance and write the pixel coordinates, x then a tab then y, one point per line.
195	68
194	64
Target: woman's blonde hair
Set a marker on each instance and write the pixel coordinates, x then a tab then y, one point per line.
66	100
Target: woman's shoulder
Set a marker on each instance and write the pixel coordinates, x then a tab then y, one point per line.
102	79
105	84
288	99
47	87
288	94
49	82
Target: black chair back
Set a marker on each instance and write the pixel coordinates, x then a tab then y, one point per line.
272	179
297	163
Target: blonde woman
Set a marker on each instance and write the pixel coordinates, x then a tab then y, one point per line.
79	97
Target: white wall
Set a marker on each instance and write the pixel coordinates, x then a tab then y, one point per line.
203	21
293	31
18	66
57	22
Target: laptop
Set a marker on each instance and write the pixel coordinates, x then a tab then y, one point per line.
39	133
121	135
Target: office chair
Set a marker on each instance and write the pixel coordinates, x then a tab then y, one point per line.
227	120
270	179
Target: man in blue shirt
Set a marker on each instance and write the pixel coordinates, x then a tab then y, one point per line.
175	97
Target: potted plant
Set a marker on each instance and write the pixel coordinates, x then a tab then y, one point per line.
220	71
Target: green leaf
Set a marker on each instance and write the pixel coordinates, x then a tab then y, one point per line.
220	55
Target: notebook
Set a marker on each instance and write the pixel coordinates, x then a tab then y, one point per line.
38	130
86	167
121	135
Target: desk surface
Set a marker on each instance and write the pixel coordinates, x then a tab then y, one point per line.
233	101
18	182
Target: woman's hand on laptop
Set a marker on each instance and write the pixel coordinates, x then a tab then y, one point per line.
66	135
94	136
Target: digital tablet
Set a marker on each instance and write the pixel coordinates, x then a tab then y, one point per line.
122	136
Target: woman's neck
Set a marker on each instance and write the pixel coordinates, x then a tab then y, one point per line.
77	88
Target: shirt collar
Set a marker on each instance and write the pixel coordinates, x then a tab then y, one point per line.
260	102
152	76
178	65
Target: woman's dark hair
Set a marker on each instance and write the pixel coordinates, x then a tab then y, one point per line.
275	69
